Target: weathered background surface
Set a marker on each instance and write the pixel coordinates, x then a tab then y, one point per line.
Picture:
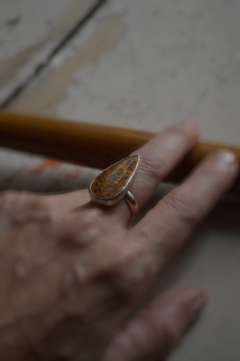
30	30
143	65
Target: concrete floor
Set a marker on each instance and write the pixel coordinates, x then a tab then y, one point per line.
143	65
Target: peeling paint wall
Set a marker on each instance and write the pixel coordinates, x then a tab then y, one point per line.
45	96
166	61
29	31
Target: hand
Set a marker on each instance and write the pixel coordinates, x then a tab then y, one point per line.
73	272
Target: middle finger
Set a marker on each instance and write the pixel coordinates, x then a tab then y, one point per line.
158	157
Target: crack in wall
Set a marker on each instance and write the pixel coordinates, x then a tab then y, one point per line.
42	65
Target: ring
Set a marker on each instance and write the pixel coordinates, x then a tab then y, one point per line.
112	184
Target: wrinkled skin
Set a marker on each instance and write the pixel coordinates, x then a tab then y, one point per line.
72	272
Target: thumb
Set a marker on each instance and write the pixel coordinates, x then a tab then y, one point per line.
153	331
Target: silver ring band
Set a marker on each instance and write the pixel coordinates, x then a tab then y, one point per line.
131	201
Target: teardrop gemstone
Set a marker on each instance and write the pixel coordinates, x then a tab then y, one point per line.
114	180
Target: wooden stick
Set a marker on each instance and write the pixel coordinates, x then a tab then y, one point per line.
91	145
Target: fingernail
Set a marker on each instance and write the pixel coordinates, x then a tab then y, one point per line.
198	303
227	157
190	124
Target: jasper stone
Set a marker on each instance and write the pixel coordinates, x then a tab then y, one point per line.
113	180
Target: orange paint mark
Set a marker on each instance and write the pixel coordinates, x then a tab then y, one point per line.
72	174
10	180
47	163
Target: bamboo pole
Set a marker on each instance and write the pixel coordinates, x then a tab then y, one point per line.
91	145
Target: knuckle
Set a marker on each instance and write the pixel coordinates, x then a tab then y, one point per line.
131	272
8	199
88	226
40	208
183	205
153	165
21	207
90	219
40	204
